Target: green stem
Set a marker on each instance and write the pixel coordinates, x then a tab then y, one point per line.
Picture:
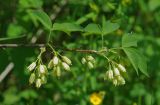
52	48
49	36
102	40
118	48
104	56
139	100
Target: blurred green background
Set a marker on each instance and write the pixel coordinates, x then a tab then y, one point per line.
18	25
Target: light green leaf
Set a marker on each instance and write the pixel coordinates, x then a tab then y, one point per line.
43	18
30	3
153	4
67	27
129	40
108	27
137	60
93	29
15	30
88	16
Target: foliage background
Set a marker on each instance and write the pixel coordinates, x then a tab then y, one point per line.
137	17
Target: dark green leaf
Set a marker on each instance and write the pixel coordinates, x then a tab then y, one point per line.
43	18
130	52
129	40
137	59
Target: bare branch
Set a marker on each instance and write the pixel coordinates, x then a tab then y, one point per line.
22	45
6	71
45	45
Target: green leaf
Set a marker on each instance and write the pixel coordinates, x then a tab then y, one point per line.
88	16
30	3
137	60
27	94
13	40
154	4
15	30
108	27
93	29
142	64
67	27
43	18
129	40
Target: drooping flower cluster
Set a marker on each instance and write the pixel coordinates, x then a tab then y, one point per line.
38	75
89	61
115	75
56	63
39	71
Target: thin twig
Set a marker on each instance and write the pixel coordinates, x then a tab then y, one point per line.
82	50
21	45
6	71
45	45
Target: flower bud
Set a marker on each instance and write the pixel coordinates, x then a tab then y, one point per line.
67	60
42	69
90	65
58	71
109	74
43	79
50	64
90	58
38	83
65	66
31	66
83	60
121	80
32	78
116	71
115	82
55	60
121	68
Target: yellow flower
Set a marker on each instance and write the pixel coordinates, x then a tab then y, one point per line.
96	98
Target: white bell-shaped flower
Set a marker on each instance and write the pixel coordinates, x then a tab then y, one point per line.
116	71
31	66
55	60
65	66
109	74
121	68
